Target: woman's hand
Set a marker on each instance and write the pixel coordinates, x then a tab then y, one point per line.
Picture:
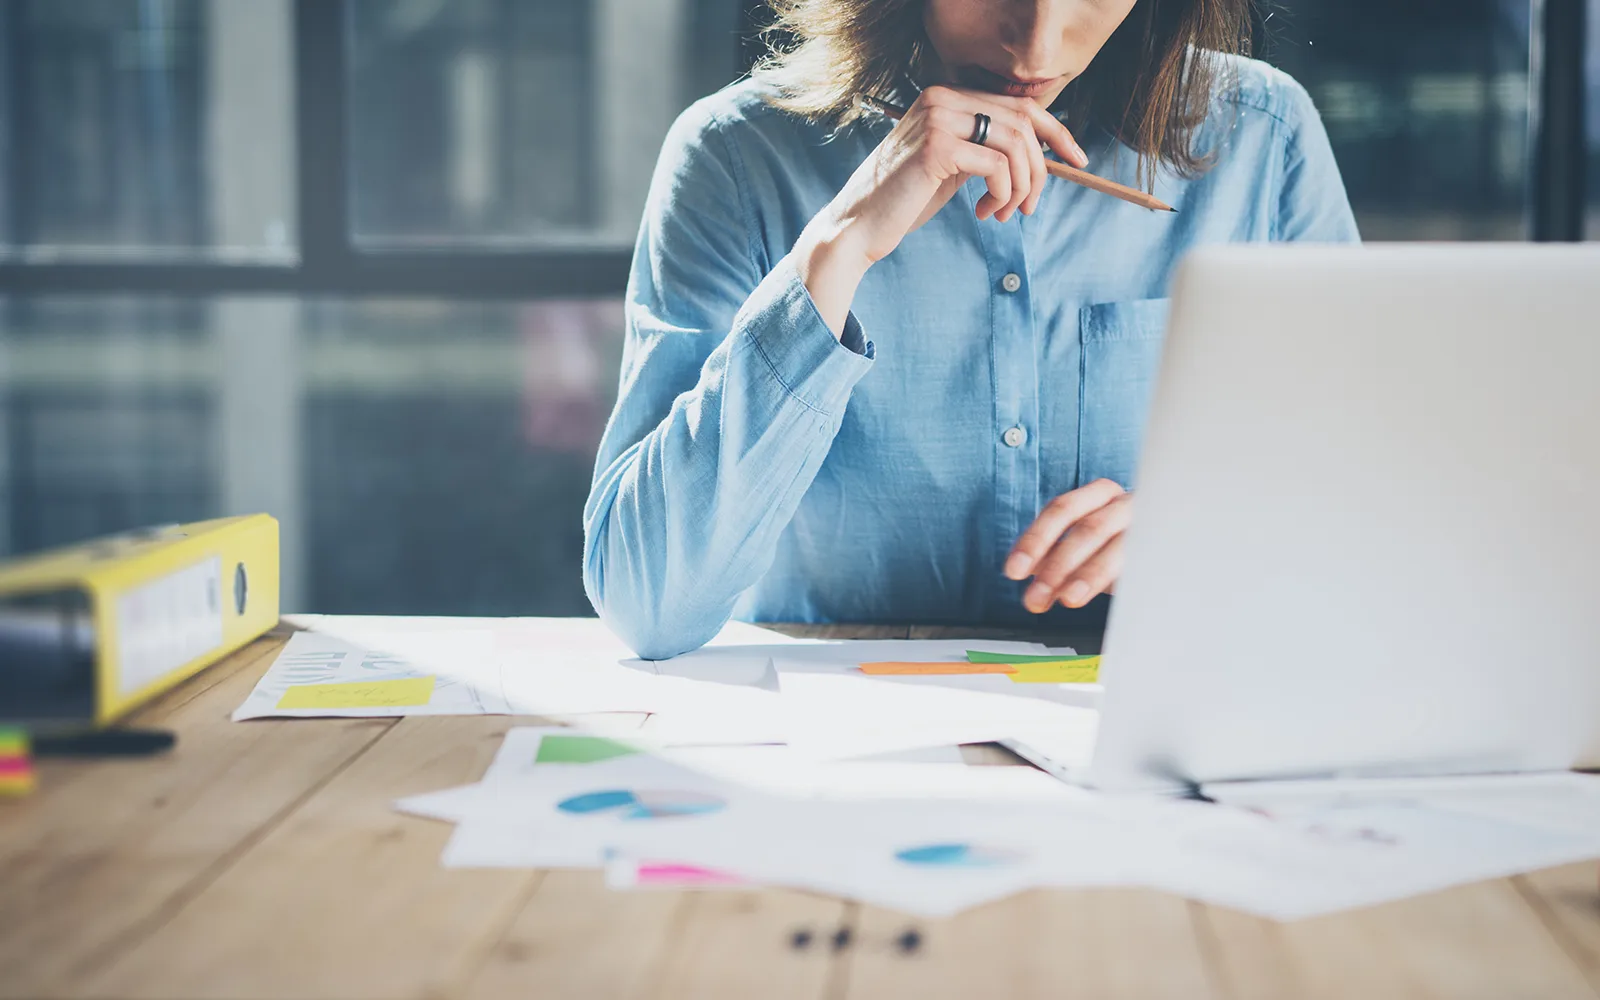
915	171
1073	549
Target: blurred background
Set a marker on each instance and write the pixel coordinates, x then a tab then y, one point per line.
358	263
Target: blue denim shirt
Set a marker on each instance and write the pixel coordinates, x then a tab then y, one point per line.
757	467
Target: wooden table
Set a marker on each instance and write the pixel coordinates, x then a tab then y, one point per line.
263	860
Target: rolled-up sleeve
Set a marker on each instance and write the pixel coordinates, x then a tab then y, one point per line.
732	391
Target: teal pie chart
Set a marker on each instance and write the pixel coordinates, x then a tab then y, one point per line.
641	804
959	856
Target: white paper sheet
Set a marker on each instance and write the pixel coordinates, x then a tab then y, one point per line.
728	693
490	666
920	755
815	698
852	715
826	832
771	770
932	839
1296	849
752	664
542	820
517	756
462	663
1062	751
925	858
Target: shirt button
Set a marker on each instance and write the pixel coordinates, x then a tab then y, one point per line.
1011	282
1014	436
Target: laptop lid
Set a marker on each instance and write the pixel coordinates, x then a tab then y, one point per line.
1367	533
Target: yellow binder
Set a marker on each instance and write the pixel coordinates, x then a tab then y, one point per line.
91	631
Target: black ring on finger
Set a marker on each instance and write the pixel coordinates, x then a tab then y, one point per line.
980	129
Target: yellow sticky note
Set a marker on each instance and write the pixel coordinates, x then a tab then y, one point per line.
1059	672
397	693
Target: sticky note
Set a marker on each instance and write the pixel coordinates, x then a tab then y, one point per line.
1077	671
671	876
933	669
557	749
13	743
398	693
977	656
17	776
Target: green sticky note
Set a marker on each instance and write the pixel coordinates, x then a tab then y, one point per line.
555	749
977	656
13	743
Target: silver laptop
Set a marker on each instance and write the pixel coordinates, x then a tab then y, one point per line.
1367	533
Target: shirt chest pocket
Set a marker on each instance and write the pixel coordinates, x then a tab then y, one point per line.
1121	350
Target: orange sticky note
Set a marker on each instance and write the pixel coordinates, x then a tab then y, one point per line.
936	669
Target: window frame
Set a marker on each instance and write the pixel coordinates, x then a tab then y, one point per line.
329	264
1557	201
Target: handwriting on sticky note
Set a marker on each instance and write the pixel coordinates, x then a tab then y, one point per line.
1080	671
942	669
398	693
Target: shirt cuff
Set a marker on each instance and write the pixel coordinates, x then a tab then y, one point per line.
853	338
785	327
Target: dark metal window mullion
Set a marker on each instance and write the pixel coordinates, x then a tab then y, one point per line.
322	163
1557	134
19	220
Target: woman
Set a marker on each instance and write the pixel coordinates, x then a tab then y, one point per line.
885	372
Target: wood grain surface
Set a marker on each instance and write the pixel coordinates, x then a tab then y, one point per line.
262	859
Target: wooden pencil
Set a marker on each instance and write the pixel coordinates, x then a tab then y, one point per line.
1093	182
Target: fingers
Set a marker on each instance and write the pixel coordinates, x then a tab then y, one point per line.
1023	183
1072	570
1012	134
1012	148
1011	131
1049	128
1042	123
1058	515
1097	575
1036	162
990	164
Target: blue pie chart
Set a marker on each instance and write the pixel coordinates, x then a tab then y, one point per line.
637	804
958	856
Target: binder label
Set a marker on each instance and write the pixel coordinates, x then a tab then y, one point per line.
167	622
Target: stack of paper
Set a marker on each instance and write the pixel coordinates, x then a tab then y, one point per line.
351	665
828	766
814	695
928	838
936	838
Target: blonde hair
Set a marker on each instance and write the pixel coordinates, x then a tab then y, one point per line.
1150	86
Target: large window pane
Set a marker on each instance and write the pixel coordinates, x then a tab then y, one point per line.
104	410
424	457
520	122
1426	103
152	128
